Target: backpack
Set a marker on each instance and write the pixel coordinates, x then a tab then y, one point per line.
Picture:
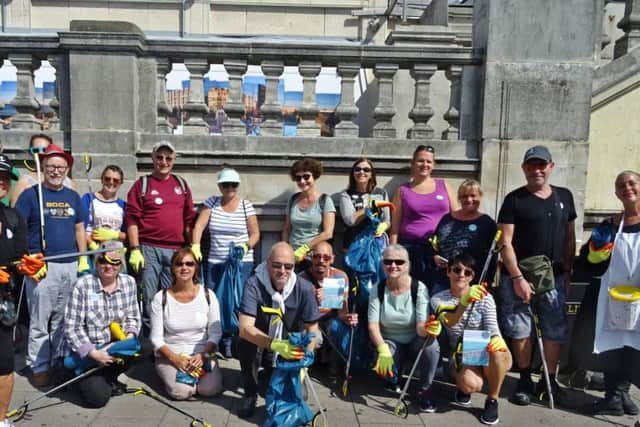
414	290
294	197
145	184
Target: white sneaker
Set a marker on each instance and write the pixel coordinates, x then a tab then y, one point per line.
6	423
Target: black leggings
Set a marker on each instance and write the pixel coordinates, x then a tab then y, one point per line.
6	350
96	389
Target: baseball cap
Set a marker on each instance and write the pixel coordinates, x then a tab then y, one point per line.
228	175
56	150
7	166
538	152
116	253
162	144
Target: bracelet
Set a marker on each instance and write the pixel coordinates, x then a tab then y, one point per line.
519	276
133	248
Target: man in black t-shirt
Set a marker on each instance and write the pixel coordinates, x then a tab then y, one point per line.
537	219
274	285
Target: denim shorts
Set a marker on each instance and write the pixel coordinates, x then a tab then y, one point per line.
516	321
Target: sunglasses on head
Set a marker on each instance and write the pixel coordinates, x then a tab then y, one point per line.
397	262
229	184
304	176
278	265
185	264
109	261
323	257
359	169
458	270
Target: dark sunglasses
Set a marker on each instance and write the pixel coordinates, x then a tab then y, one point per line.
304	176
105	260
278	265
185	263
365	169
397	262
458	270
111	180
229	184
323	257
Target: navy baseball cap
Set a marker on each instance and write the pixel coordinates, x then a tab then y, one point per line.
7	166
537	152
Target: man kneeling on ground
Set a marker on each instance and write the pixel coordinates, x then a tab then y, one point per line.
454	306
274	285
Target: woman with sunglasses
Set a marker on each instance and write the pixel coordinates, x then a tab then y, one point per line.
398	325
185	327
464	230
455	307
310	215
362	190
105	220
420	204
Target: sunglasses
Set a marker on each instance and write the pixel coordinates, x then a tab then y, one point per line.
358	169
108	179
303	177
185	264
533	166
58	168
109	261
167	159
397	262
466	271
323	257
229	184
278	265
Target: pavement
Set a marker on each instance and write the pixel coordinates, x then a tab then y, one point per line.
368	404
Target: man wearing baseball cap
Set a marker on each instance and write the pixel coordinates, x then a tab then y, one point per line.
159	217
63	232
536	219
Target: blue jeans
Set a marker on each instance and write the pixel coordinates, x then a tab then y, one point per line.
156	275
428	361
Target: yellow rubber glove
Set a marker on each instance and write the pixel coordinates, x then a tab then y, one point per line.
93	245
83	265
444	309
245	248
382	228
496	344
4	276
384	364
195	248
285	349
136	260
433	327
40	274
475	293
301	252
102	234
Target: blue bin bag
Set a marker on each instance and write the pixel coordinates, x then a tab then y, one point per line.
229	290
284	403
361	354
125	348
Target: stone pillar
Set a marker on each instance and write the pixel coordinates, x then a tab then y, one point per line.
452	115
421	111
195	105
630	24
385	110
271	109
347	109
309	110
234	108
163	66
54	103
25	101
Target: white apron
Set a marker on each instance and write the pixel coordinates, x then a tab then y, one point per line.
624	269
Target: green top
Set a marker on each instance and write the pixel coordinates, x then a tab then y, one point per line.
7	198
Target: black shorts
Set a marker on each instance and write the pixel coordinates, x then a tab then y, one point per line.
6	350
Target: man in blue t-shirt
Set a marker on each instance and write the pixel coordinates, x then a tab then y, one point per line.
274	285
63	232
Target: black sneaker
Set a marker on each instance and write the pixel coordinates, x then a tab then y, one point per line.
462	399
118	388
425	401
560	397
609	405
392	387
522	396
628	406
247	406
490	414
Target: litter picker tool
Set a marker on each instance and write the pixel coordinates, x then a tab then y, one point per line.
195	420
86	159
35	151
545	368
77	254
347	369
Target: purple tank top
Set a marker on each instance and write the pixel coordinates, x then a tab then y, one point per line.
421	213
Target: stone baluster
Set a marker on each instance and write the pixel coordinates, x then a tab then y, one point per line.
630	24
452	116
195	105
25	101
309	110
347	109
163	67
54	103
233	107
272	109
421	112
384	111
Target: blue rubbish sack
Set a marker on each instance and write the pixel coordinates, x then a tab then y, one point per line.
361	355
185	378
229	290
125	348
284	403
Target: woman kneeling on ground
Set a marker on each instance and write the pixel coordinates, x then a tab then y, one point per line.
185	327
454	307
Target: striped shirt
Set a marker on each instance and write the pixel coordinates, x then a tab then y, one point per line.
91	310
226	227
483	316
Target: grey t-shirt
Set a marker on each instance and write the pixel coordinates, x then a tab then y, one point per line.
307	223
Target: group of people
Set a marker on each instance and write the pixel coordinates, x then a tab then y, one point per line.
429	295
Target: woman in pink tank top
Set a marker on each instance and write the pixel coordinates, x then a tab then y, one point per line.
420	204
